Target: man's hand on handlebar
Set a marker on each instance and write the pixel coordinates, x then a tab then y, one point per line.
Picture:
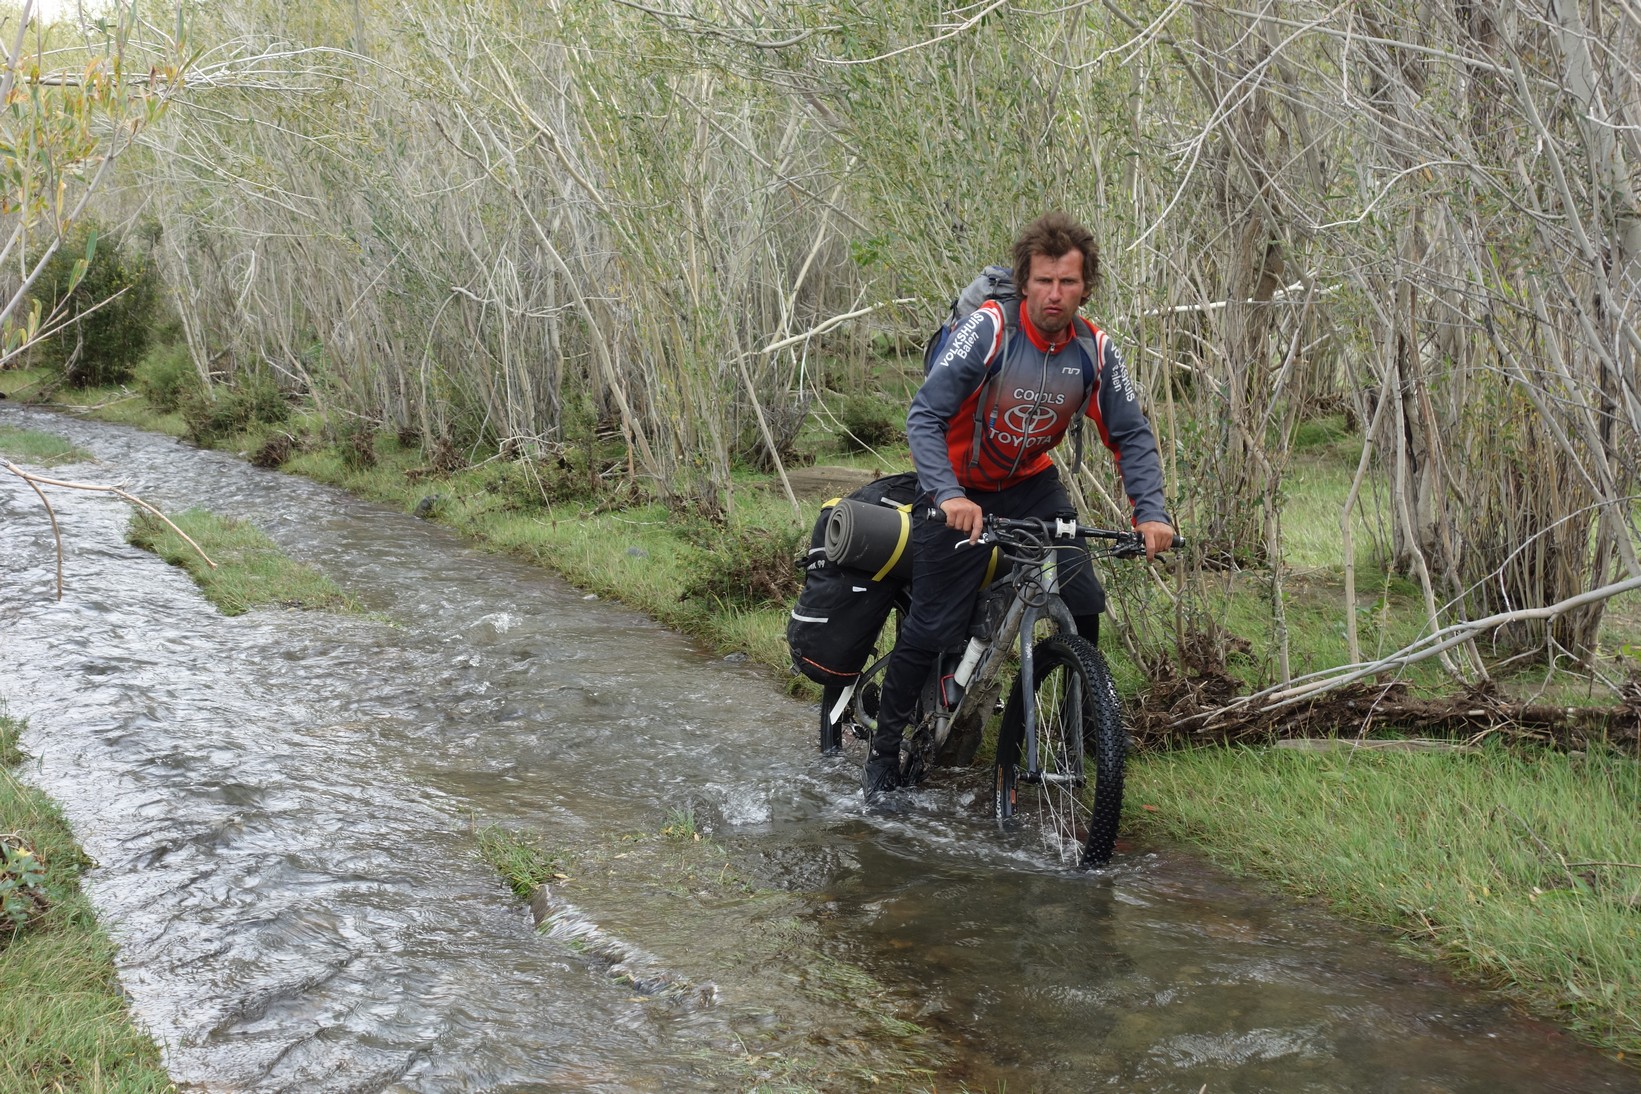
963	515
1159	536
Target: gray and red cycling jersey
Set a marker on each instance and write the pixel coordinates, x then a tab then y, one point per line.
1025	411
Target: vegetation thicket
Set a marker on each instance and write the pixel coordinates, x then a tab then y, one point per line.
524	231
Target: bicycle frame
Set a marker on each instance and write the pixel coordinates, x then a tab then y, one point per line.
1035	598
1018	625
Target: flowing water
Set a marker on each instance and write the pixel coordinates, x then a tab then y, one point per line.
285	809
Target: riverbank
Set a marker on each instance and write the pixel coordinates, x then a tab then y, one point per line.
1552	924
63	1020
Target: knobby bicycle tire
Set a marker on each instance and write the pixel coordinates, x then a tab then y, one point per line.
1076	800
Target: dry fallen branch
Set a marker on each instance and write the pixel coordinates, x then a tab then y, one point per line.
37	481
1309	687
1346	715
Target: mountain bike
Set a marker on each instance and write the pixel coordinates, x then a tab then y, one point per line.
1062	742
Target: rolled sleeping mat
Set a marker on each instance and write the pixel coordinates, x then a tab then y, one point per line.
873	538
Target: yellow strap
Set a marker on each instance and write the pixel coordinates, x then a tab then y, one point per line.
900	547
991	567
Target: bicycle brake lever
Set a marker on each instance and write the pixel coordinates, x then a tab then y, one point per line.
1132	546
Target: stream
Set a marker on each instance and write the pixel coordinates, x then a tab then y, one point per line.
284	808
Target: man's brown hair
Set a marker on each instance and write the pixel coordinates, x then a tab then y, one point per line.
1052	235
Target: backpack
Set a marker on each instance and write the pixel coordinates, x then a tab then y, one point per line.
840	611
997	283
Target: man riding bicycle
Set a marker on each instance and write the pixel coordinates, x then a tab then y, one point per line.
1005	390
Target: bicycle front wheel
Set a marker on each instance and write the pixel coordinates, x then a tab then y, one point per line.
1074	797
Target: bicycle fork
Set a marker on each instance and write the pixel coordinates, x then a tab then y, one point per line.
1049	581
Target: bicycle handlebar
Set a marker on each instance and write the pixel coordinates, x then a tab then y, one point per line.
1015	530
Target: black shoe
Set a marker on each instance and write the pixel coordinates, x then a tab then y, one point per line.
880	775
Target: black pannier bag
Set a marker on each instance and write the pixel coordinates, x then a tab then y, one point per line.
842	608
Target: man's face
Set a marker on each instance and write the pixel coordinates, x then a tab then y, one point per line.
1054	291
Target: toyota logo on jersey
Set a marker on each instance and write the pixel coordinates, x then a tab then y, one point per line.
1027	420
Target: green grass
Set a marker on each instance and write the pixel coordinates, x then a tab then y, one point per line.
681	824
63	1021
250	570
27	384
519	858
1313	495
38	447
1521	868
